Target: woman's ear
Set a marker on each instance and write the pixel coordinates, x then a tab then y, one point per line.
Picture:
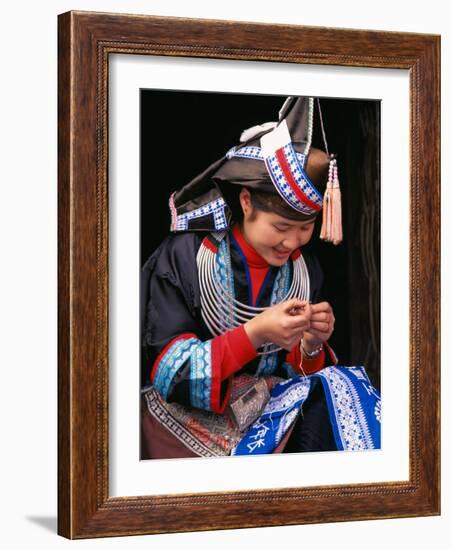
245	200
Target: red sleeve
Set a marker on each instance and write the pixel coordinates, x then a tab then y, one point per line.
310	366
219	359
230	352
233	350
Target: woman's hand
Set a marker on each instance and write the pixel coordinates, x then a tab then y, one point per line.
321	327
283	324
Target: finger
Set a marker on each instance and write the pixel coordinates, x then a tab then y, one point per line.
321	306
293	304
319	334
299	312
295	311
297	316
297	322
290	344
321	316
320	326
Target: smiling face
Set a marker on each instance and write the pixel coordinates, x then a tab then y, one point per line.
271	235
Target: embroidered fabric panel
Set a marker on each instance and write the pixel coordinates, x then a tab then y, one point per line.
204	432
282	284
354	407
199	355
281	411
161	411
216	208
201	375
225	275
170	363
290	370
269	362
255	153
292	182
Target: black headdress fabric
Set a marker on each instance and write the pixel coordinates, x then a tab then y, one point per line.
204	204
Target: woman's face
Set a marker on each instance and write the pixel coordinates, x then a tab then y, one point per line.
272	236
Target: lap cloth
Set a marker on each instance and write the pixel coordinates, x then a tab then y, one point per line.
334	409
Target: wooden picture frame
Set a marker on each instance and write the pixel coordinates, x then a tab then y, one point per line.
86	40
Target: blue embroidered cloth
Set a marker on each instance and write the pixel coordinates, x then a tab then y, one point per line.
354	408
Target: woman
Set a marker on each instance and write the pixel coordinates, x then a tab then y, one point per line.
233	327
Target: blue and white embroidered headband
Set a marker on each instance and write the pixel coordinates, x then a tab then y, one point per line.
284	165
283	150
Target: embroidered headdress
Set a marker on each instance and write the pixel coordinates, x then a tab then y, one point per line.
276	158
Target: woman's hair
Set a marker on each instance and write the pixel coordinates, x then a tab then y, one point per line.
269	202
261	201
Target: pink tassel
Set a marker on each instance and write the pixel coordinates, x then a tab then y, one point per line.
332	209
326	204
172	207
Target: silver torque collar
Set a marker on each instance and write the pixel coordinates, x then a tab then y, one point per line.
221	311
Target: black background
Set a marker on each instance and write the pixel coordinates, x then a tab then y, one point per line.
184	132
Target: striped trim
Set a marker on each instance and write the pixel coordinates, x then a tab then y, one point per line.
292	182
170	362
350	426
162	413
205	372
215	208
201	375
255	153
183	336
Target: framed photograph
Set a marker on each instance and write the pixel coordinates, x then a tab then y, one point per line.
153	110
